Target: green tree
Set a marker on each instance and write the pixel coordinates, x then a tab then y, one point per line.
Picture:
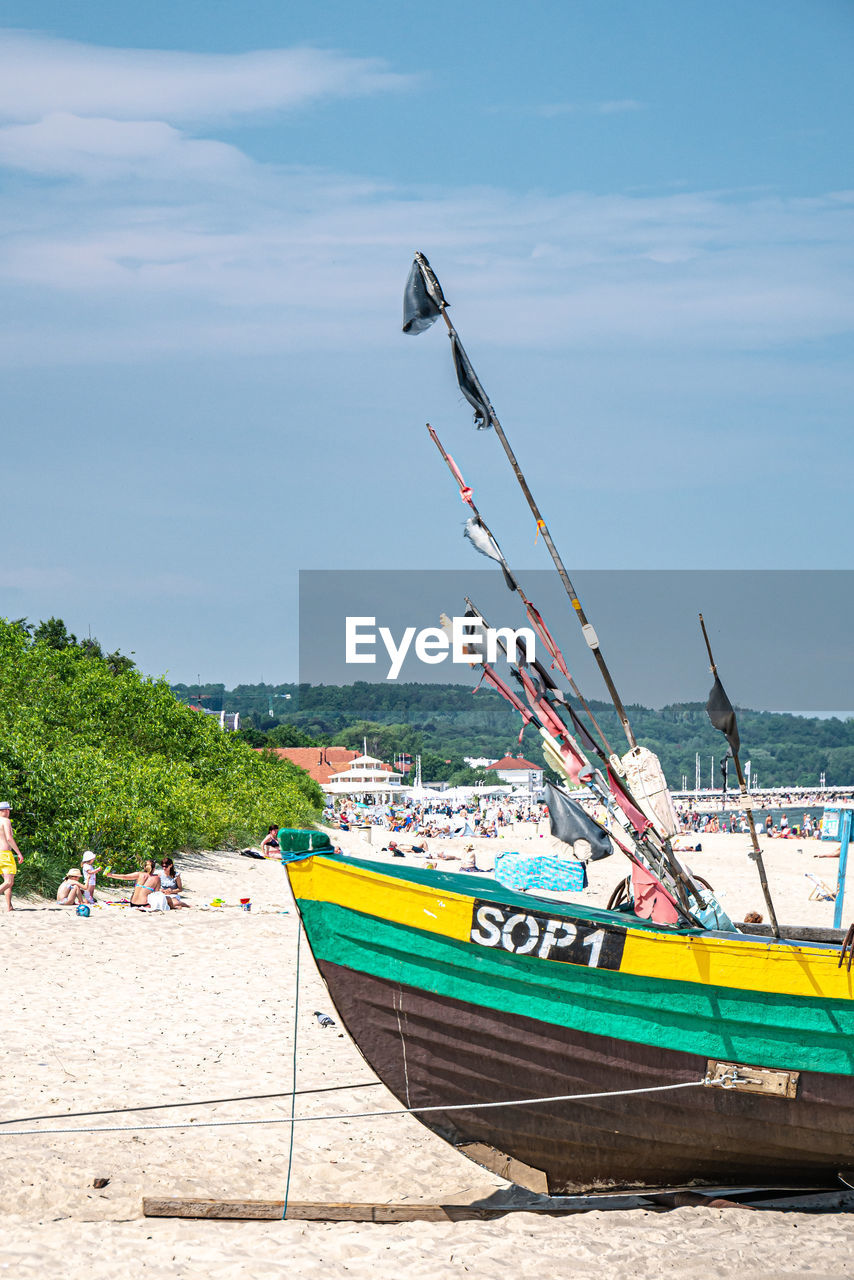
54	634
287	735
94	755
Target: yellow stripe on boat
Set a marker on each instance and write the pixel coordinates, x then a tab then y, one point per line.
783	968
400	901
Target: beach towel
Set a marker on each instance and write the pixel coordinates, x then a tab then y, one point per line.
558	875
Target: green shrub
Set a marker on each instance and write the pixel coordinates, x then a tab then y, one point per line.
93	755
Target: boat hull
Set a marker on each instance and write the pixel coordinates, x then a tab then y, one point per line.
430	1050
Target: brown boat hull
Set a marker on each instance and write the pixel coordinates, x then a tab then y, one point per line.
432	1050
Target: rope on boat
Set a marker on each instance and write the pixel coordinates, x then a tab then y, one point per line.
355	1115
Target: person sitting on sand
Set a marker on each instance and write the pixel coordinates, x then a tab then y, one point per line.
70	892
147	891
469	862
270	843
171	884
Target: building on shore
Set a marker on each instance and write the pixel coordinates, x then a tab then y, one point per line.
518	771
319	763
366	777
341	772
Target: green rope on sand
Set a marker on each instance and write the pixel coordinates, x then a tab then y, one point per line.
293	1075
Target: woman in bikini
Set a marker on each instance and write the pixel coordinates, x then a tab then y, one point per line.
146	883
270	843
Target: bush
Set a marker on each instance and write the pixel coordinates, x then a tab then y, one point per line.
95	755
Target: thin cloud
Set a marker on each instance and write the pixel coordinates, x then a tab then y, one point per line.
35	579
553	110
156	241
284	259
615	107
40	76
67	145
58	578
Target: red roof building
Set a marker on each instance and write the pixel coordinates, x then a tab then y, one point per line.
513	762
518	771
319	762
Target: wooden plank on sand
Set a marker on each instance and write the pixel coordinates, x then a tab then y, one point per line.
271	1210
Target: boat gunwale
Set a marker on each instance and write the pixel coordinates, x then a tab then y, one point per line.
459	885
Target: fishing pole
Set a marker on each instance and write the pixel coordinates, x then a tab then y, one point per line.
532	611
486	542
655	857
587	629
757	852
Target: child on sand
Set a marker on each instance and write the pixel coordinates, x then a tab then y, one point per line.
90	875
70	892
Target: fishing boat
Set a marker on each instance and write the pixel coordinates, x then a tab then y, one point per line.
463	996
573	1048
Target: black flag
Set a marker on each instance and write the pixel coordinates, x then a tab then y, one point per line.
569	823
420	308
470	385
722	715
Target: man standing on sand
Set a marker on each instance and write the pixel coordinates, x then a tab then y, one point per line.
8	848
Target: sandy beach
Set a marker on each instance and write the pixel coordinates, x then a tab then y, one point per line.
123	1009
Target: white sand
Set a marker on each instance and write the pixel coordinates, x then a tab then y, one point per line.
124	1009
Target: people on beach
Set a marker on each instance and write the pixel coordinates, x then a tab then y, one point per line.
171	884
400	850
147	890
70	892
89	872
8	852
270	843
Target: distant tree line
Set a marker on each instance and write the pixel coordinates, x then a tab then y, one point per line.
447	722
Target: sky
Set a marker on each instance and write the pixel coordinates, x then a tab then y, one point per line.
641	215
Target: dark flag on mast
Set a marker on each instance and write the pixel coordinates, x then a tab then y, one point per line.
722	715
569	822
421	305
470	385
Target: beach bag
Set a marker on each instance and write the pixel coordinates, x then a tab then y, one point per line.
158	901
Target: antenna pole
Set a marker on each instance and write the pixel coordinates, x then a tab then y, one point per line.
756	855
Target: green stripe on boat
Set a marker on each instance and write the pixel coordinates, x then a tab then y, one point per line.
794	1033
